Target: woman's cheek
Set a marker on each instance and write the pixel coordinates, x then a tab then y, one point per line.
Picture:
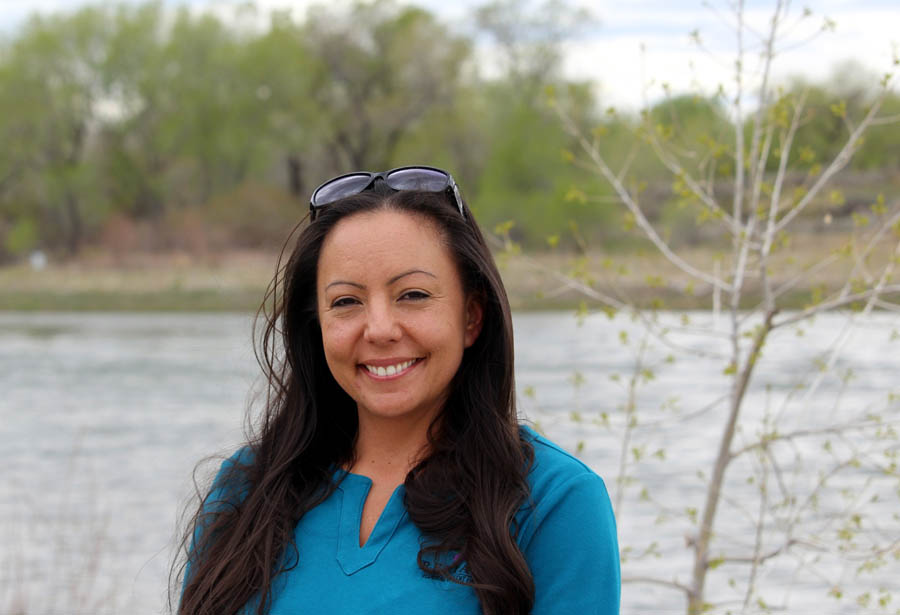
337	337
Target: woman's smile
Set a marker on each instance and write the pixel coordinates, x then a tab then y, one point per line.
389	369
394	315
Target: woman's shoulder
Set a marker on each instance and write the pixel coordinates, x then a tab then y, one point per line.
567	532
552	465
564	491
231	482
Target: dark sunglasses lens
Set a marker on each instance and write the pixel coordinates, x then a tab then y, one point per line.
341	187
427	180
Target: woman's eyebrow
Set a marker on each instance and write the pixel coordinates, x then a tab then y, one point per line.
338	282
410	272
391	281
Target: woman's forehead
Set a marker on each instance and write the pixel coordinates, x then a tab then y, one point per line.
374	242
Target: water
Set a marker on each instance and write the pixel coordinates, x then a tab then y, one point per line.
105	416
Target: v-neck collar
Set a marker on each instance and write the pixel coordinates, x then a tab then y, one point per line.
354	488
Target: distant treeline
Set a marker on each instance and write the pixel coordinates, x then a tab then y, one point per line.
144	128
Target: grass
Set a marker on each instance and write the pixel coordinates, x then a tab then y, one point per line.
236	281
642	276
167	282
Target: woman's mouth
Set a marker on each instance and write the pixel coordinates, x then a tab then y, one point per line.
390	371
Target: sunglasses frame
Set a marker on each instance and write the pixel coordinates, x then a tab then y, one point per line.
451	188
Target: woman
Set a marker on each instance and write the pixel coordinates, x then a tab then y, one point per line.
389	473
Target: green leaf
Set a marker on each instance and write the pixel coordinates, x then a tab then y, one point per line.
503	228
575	195
839	109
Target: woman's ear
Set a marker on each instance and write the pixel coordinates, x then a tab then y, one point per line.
474	318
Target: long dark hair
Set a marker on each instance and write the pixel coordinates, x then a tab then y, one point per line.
463	496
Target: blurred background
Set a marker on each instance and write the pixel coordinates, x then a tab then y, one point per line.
156	155
184	138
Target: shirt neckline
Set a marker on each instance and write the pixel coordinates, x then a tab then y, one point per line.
353	489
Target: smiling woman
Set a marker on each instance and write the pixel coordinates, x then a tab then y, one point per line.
389	473
393	341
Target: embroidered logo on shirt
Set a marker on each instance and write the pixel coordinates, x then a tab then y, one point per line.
456	568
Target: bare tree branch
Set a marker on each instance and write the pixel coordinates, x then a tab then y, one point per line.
885	119
630	423
661	582
775	201
592	293
804	275
635	209
760	558
760	524
701	548
828	306
870	245
839	162
806	433
678	171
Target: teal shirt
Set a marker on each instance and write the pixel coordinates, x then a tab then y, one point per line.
567	534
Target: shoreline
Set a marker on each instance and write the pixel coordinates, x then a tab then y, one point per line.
236	281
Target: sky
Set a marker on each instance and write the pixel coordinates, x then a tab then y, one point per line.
633	49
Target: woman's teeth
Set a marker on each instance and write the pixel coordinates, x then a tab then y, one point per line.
390	370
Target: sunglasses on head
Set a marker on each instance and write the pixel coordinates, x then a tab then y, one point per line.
426	179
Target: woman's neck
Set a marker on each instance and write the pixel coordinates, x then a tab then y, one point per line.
387	449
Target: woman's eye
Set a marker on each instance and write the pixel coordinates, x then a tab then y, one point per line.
343	302
415	295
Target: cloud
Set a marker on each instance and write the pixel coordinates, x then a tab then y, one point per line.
637	46
647	44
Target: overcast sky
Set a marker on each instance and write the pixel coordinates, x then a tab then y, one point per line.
610	51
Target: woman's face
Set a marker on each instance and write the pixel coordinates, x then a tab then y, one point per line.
394	315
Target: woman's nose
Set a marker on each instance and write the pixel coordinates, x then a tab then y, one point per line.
382	325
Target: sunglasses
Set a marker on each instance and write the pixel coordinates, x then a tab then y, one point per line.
426	179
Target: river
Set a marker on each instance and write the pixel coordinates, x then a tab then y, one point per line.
106	416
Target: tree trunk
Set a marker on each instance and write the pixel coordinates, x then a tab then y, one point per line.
295	176
75	227
696	602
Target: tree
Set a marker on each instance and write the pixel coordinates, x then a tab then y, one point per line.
849	91
529	38
523	177
380	71
54	66
753	283
139	143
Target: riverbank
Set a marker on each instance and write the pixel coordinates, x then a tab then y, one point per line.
236	281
